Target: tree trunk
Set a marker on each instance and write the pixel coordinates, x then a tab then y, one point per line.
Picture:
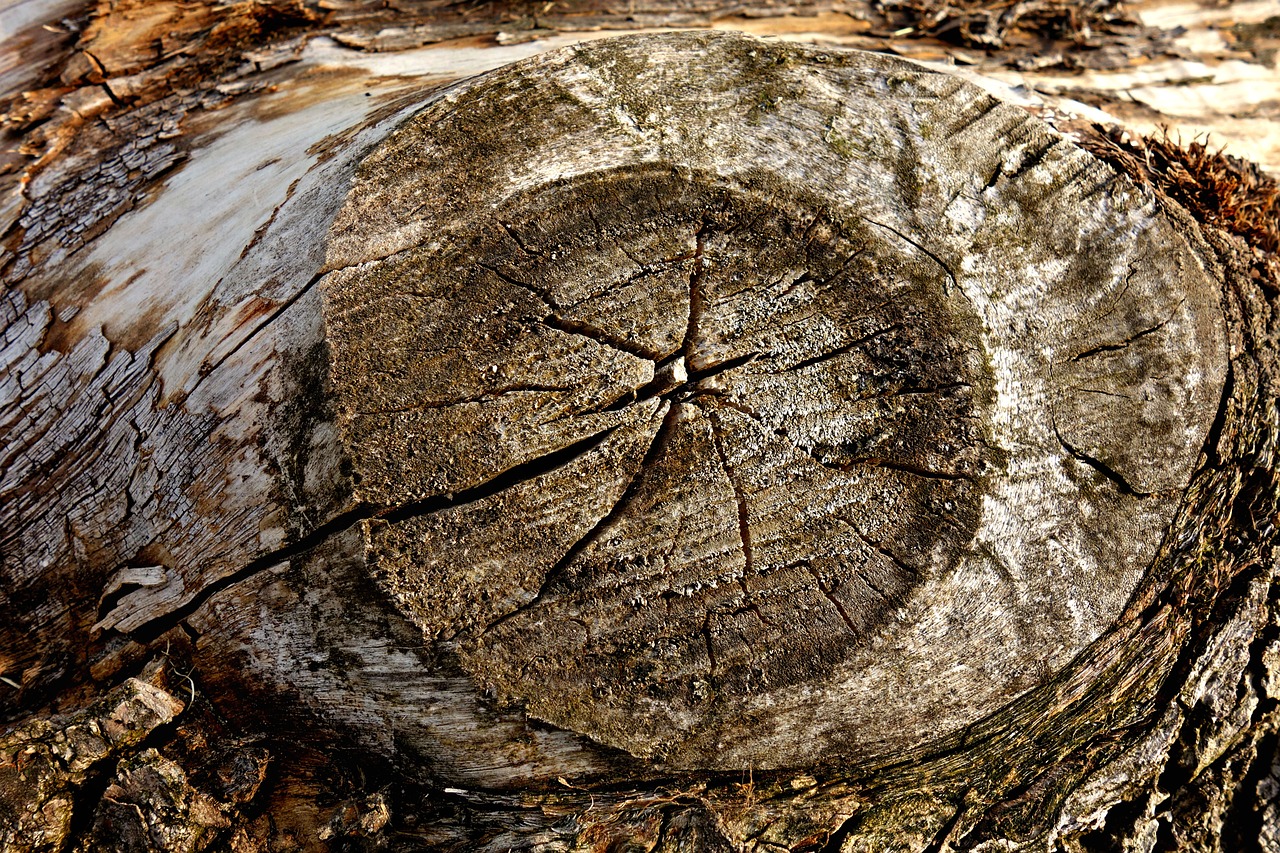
680	441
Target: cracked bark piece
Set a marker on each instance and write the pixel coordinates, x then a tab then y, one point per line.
740	404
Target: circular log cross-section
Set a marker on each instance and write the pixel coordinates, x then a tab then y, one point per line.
733	403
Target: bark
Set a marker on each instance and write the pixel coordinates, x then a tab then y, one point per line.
680	442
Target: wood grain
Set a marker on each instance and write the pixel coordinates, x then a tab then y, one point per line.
596	428
719	408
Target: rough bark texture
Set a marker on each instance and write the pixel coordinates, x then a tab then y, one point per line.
694	443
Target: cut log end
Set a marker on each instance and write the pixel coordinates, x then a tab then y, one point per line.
807	414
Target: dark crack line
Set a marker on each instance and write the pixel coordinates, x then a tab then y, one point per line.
706	637
807	277
880	549
1129	340
841	350
806	236
875	587
942	838
592	333
510	478
696	304
578	328
541	294
937	260
597	530
908	391
479	398
1088	165
725	366
905	468
518	240
645	268
157	627
661	385
645	271
1035	159
740	498
207	369
754	609
1103	393
845	467
827	593
804	278
744	409
1122	485
824	283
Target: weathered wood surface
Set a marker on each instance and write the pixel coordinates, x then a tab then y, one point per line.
719	404
123	538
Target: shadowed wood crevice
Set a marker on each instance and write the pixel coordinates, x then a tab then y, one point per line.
1121	484
322	534
739	499
845	349
1150	330
933	257
556	575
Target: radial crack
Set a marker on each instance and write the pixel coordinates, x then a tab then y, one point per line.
1129	340
906	468
628	493
696	304
1101	392
1122	485
822	588
362	512
908	391
518	240
842	467
739	497
880	549
592	333
522	388
207	369
722	367
841	350
937	260
706	637
543	295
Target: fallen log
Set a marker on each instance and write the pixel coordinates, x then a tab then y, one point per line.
582	438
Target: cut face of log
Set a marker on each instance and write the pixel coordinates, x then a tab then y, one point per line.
814	409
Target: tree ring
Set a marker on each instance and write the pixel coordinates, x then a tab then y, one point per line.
752	424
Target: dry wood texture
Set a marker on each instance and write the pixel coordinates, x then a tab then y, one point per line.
674	442
693	401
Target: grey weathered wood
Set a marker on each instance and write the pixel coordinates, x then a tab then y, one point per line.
582	356
917	385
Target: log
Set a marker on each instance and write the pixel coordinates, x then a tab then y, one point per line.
686	441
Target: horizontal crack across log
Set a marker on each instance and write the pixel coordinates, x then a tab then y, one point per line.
1101	348
368	512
